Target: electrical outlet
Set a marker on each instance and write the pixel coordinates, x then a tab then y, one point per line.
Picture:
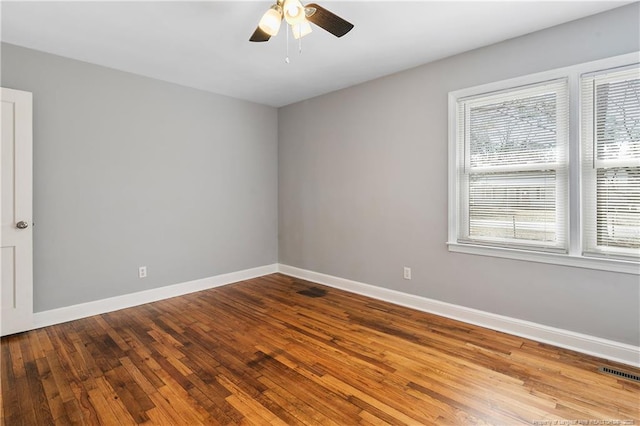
407	273
142	272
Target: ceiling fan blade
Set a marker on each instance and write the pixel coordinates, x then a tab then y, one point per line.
259	35
329	21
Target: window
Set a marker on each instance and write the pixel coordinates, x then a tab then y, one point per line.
547	167
611	165
513	167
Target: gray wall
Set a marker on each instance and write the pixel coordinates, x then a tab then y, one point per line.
363	187
131	171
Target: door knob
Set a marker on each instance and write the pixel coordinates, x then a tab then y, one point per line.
22	225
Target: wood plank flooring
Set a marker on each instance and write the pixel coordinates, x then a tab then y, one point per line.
257	352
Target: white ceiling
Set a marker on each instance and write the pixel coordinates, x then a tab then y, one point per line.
205	44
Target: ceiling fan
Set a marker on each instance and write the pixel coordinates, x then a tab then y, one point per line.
298	17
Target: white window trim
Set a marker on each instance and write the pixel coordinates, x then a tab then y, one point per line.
560	166
592	164
574	256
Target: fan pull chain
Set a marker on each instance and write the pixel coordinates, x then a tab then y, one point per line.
286	59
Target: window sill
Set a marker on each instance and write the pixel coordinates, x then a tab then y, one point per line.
613	265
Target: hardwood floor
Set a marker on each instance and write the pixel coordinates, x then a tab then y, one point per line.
257	352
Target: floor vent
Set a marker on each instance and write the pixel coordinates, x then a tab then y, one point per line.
621	374
313	292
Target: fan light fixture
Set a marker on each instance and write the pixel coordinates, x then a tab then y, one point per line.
301	29
294	12
270	22
298	17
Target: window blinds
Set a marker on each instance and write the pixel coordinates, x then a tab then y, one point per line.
514	169
611	162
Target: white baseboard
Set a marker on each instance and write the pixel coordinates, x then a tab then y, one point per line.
83	310
603	348
591	345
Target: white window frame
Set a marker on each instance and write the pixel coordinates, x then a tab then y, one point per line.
559	166
574	255
591	164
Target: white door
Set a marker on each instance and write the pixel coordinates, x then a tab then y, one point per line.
16	269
